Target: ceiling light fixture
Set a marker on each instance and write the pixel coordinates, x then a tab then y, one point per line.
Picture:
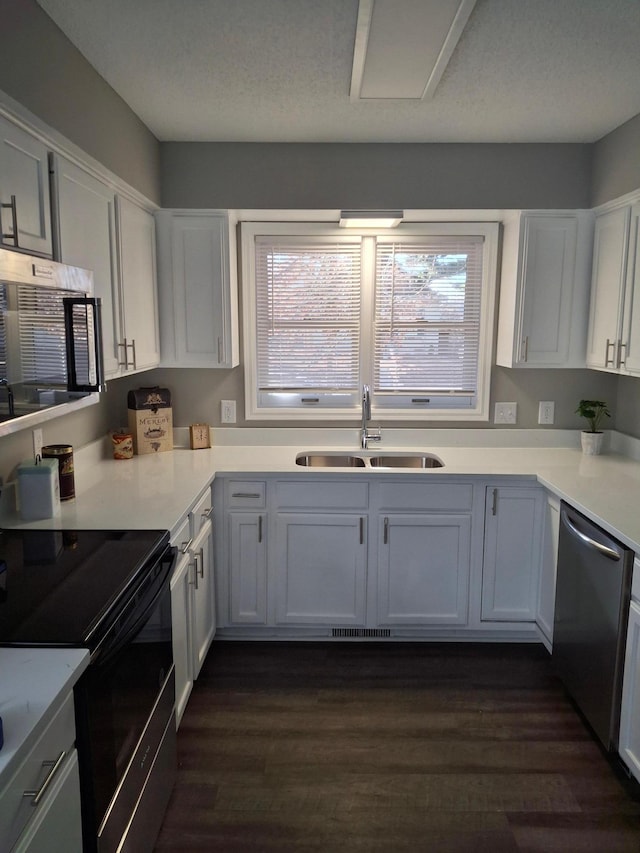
370	218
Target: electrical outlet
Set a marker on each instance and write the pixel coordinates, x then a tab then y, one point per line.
36	435
546	411
228	411
505	413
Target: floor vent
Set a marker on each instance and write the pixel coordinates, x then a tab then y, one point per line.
360	632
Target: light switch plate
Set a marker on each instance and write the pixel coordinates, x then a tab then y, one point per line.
505	413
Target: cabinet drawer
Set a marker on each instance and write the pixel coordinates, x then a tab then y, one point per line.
200	512
246	494
313	494
16	810
420	496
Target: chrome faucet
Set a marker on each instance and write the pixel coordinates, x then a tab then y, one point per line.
365	434
10	399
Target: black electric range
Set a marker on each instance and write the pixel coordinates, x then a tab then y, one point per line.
65	588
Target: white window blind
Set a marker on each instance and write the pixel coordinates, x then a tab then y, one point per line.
307	315
427	311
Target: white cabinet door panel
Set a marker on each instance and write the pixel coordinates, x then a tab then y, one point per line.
512	551
24	173
423	569
629	742
247	568
322	569
203	600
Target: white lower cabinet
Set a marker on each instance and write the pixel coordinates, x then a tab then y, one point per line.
247	569
322	568
56	828
423	569
512	552
629	740
418	556
202	595
48	819
548	567
193	605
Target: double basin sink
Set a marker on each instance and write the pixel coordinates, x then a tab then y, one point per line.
340	459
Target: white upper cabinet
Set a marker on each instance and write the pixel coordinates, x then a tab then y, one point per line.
24	191
140	344
85	236
614	317
198	289
544	289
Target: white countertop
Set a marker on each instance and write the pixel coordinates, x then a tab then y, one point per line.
33	682
155	491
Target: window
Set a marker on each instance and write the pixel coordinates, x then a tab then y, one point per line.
407	311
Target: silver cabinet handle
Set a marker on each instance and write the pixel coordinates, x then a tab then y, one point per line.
259	528
362	530
494	503
385	537
525	348
184	546
36	796
620	361
126	346
609	361
220	359
207	513
246	495
14	222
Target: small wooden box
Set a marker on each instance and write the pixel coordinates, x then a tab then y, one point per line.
150	420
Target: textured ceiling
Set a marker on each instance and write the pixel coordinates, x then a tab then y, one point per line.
280	70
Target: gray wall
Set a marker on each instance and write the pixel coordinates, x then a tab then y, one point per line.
306	175
43	71
616	163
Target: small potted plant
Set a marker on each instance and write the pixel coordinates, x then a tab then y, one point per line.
594	411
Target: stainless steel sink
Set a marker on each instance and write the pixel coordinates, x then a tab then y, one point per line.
329	460
406	460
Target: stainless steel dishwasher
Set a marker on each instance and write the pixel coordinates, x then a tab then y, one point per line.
592	608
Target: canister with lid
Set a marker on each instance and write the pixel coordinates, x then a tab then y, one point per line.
38	488
63	453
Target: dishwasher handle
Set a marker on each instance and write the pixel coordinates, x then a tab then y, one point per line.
611	553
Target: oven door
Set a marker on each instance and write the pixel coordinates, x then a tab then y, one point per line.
126	724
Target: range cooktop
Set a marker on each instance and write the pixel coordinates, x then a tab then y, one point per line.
63	587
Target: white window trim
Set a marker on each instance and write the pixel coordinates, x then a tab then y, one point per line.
250	229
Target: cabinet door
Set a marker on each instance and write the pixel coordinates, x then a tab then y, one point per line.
136	235
24	173
423	569
181	629
607	288
630	356
56	825
86	237
197	291
321	569
629	742
247	555
548	269
548	567
203	601
512	552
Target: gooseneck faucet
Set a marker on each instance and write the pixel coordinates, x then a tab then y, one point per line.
10	399
365	434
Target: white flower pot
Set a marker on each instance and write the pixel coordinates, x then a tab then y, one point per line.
591	442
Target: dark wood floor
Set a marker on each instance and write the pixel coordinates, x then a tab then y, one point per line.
395	747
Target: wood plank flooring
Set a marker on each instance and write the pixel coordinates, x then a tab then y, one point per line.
391	747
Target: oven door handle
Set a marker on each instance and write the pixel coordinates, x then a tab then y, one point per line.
115	641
